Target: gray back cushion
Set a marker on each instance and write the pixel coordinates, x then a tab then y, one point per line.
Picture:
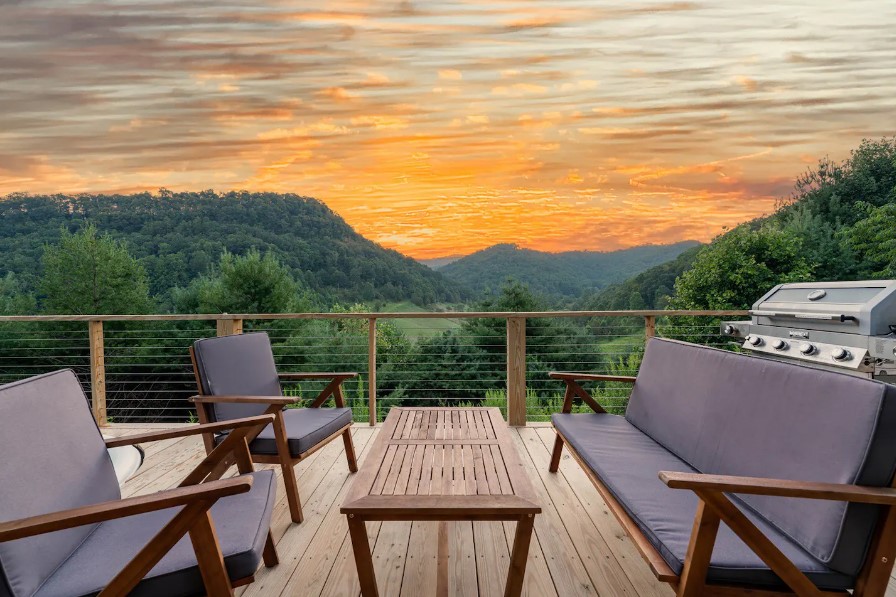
734	414
243	365
53	459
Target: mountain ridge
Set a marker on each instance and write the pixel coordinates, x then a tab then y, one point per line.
566	274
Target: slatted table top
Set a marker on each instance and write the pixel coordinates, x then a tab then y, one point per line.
442	464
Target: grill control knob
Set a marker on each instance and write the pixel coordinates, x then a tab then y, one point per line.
840	354
779	344
754	340
807	349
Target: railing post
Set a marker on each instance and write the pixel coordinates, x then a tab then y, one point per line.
229	327
371	369
516	371
649	326
97	372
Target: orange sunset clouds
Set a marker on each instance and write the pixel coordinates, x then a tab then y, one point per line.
444	127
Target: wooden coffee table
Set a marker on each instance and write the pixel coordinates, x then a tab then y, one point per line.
442	464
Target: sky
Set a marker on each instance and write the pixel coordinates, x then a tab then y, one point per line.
443	127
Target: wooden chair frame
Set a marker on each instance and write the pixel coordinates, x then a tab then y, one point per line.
715	507
196	494
275	405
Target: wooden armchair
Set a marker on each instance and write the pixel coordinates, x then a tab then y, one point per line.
237	377
66	530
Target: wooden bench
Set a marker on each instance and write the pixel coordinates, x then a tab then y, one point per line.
736	475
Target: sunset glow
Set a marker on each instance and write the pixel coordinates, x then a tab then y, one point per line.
440	128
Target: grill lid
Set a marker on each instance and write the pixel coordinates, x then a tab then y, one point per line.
865	307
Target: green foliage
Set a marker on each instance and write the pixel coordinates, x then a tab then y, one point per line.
14	300
86	274
252	283
547	340
178	237
873	239
556	276
738	266
821	243
651	289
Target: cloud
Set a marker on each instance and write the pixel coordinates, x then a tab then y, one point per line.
518	89
450	74
381	121
338	94
747	83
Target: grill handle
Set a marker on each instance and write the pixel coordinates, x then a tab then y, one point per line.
814	316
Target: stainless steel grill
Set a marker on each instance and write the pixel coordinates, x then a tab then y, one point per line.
842	326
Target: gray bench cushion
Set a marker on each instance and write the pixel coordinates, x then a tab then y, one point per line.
733	414
53	458
627	462
239	365
241	522
305	428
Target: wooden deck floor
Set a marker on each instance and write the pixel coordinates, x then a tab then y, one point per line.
578	548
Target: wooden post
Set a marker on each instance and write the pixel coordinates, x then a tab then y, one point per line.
649	326
516	371
371	369
97	372
228	327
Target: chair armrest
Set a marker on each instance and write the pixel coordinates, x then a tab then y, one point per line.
223	399
75	517
574	389
301	376
152	436
779	487
590	377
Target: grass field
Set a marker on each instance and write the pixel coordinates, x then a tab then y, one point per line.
417	328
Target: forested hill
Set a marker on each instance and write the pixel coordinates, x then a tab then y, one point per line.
651	289
559	275
179	236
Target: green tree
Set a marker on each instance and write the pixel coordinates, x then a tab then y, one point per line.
14	300
251	283
873	239
737	267
88	273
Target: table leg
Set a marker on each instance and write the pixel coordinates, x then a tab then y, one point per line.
357	530
518	557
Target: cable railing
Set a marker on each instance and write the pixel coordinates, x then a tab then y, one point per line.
137	368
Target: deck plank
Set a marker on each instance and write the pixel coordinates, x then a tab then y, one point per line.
567	570
421	564
306	546
607	576
620	546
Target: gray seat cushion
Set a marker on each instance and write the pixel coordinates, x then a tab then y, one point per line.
733	414
305	428
53	458
239	365
241	522
627	462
